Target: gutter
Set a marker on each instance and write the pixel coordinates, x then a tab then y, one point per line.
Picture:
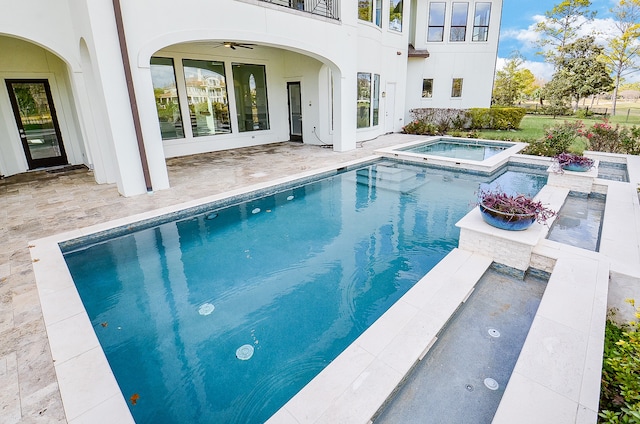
132	95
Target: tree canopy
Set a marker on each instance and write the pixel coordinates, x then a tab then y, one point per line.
512	82
561	26
623	47
579	72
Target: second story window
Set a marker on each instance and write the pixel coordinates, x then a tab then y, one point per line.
459	22
367	11
395	15
481	22
435	32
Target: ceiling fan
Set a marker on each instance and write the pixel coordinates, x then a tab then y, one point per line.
232	45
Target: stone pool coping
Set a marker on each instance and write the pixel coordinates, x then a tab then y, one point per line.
355	385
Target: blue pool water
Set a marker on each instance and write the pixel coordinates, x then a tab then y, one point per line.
460	149
224	316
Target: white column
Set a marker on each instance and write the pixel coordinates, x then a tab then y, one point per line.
344	114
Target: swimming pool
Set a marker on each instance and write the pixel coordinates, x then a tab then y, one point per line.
188	341
476	150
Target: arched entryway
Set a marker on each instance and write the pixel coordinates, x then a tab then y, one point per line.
39	126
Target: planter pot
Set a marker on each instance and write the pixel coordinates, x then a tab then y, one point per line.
506	221
576	167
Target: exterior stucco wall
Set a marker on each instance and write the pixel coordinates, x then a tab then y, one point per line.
473	61
325	55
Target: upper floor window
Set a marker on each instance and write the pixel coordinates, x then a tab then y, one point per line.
456	87
435	32
481	22
459	22
395	15
367	11
427	88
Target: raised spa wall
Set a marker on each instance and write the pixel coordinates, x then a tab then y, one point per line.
557	376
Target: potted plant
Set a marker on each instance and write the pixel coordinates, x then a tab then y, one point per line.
511	212
573	162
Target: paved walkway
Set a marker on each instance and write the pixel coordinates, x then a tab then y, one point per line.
39	204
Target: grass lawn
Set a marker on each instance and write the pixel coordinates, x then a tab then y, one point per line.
532	126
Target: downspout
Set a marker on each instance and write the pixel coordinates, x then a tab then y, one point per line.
132	95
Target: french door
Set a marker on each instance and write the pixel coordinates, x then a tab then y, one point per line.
37	122
295	111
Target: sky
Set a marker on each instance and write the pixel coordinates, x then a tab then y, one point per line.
516	31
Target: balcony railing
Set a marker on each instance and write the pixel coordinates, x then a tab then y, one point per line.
326	8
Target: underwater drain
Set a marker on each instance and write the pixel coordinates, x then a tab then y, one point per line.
493	332
244	352
206	309
491	383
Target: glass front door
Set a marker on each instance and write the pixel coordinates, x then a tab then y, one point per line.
37	122
295	111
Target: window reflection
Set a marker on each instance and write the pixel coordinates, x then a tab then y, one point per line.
456	87
250	87
165	91
427	88
435	31
364	100
459	22
207	96
395	15
365	10
376	99
481	22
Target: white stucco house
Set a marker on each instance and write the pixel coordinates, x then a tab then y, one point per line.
120	86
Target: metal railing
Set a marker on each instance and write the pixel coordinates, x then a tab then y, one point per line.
326	8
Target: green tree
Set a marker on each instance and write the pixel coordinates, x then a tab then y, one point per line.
561	26
623	48
512	82
529	83
581	73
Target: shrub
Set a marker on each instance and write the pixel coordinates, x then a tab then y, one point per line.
443	118
583	113
480	118
539	148
507	118
420	127
620	390
561	136
630	141
603	137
